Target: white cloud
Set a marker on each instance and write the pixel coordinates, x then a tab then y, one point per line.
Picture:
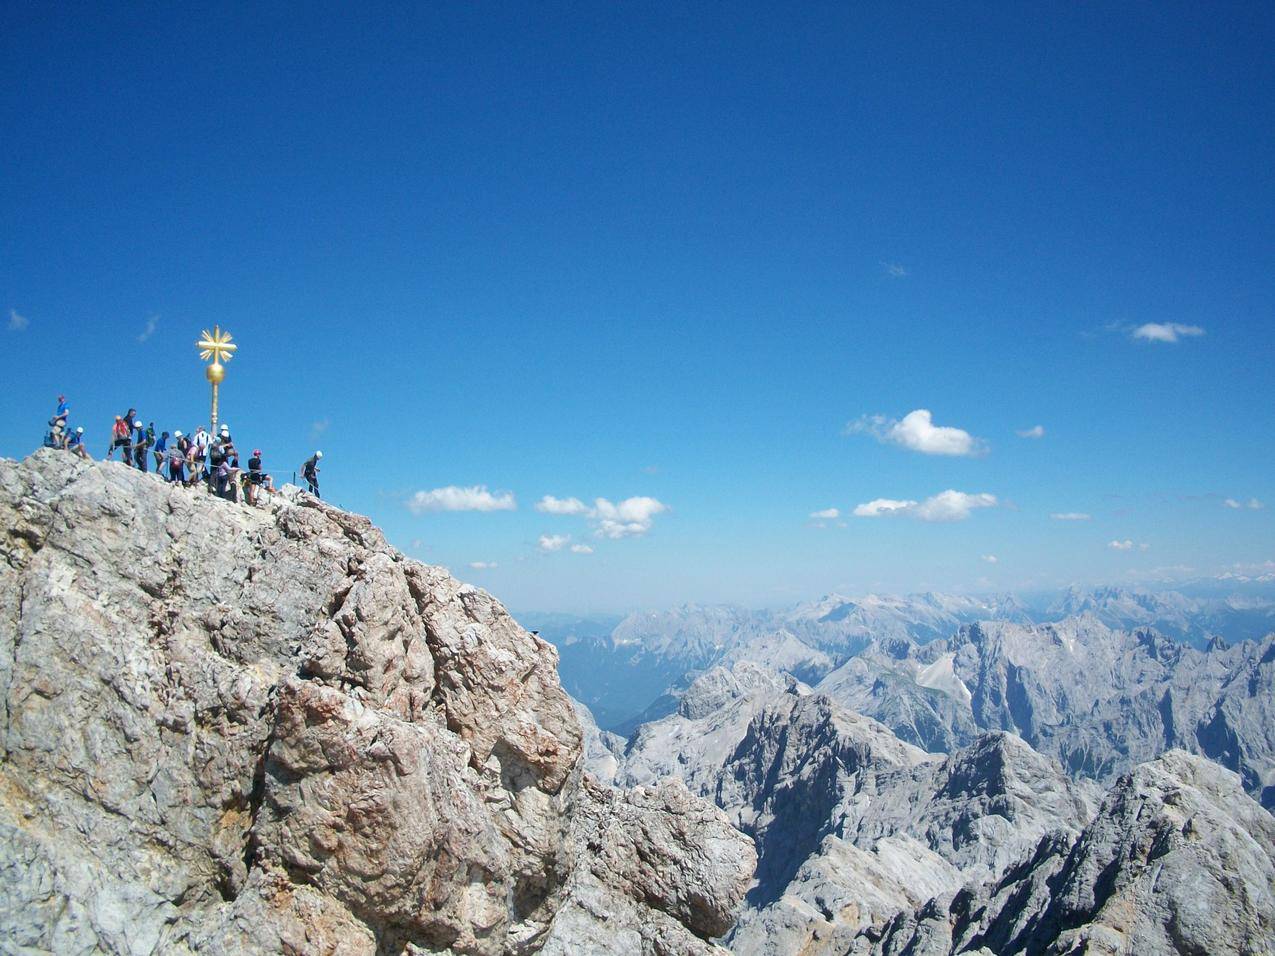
1069	516
952	506
453	498
581	549
945	506
152	323
1255	505
894	270
1166	331
1232	503
483	565
1036	431
318	428
880	507
17	323
629	518
1125	545
917	431
553	542
561	506
827	514
991	558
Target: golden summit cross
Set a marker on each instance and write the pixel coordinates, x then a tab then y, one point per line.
217	346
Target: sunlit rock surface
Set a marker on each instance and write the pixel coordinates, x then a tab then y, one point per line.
229	729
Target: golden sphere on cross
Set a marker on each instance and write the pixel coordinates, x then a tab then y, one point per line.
216	373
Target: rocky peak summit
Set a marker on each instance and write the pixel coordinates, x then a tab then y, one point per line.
263	730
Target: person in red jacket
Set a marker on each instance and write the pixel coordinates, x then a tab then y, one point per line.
121	437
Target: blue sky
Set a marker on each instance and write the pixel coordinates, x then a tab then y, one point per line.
670	252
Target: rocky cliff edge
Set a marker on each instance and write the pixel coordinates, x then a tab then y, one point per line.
263	730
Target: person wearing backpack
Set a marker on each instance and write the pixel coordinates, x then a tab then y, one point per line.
216	456
177	459
257	478
57	424
310	471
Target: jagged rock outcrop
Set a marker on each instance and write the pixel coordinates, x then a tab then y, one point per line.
1177	860
229	729
853	826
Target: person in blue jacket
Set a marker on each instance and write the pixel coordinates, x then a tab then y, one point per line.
75	442
160	451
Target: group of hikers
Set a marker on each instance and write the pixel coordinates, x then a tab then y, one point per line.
182	459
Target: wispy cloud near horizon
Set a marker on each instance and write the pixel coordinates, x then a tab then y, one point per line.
946	506
1252	504
17	322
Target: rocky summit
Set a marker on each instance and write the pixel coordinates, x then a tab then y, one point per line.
263	730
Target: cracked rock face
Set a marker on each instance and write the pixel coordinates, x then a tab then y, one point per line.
853	826
1178	860
247	730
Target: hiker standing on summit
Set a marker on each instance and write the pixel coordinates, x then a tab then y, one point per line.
310	471
121	439
57	424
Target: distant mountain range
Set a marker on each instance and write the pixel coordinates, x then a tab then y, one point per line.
929	774
926	774
631	670
924	797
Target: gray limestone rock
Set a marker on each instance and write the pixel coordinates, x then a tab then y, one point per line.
853	826
1177	860
262	730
